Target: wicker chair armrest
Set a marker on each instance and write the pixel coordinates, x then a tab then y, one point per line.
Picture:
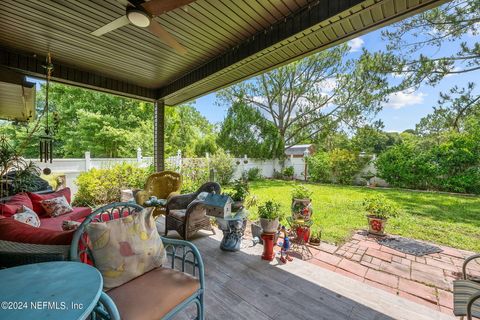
180	201
142	196
474	297
468	260
188	249
173	194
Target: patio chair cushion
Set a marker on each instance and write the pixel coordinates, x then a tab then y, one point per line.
14	204
462	291
55	223
180	216
154	294
126	248
38	198
16	231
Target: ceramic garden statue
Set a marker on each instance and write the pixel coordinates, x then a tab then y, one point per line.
284	252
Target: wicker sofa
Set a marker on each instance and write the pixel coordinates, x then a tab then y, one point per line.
21	243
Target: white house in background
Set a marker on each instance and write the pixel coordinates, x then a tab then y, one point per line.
298	150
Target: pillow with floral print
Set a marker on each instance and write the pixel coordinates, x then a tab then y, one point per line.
56	206
28	216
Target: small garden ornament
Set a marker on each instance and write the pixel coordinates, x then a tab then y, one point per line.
285	246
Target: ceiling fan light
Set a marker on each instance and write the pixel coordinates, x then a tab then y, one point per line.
138	18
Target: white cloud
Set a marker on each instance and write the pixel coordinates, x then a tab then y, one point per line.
356	44
404	99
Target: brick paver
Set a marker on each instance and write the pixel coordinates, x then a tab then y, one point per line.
426	280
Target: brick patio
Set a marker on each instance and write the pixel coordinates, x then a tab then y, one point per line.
426	280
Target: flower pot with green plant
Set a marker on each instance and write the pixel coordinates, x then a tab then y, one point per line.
269	213
379	209
239	193
315	238
301	203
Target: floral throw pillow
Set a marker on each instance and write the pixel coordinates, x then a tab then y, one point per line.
56	206
28	216
126	248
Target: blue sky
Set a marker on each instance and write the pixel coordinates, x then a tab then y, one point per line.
402	112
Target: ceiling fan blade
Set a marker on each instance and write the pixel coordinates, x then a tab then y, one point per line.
166	37
115	24
158	7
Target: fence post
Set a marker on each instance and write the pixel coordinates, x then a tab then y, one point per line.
178	160
88	161
139	155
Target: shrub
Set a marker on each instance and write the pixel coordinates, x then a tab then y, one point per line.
288	172
453	165
102	186
194	174
254	174
319	167
277	175
224	166
344	165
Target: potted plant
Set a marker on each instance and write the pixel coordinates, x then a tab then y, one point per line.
379	209
301	202
269	213
315	238
240	192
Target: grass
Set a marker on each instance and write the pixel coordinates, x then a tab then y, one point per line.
451	220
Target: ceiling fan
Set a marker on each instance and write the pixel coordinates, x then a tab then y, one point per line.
141	14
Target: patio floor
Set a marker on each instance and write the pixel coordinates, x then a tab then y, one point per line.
240	285
426	280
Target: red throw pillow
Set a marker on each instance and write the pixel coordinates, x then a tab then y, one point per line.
38	198
15	203
16	231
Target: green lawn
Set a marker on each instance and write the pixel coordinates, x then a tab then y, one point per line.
444	219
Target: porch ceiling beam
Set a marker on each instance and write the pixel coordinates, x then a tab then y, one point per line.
312	14
31	65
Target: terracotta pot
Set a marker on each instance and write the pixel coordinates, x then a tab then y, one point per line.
302	209
268	225
376	225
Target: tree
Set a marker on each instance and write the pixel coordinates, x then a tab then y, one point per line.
413	43
372	139
452	113
246	132
301	98
110	126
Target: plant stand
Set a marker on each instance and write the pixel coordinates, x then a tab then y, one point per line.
268	243
299	235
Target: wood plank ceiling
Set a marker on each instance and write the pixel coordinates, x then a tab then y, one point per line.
132	62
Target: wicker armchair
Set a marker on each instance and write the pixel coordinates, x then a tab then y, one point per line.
186	215
162	185
157	294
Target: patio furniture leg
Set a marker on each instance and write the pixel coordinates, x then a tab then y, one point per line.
200	309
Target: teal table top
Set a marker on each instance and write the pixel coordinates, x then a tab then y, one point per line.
49	290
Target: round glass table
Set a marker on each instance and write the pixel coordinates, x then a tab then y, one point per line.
49	290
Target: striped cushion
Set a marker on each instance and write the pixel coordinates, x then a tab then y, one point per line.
462	291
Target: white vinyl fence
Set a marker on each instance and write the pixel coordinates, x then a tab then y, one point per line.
71	168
